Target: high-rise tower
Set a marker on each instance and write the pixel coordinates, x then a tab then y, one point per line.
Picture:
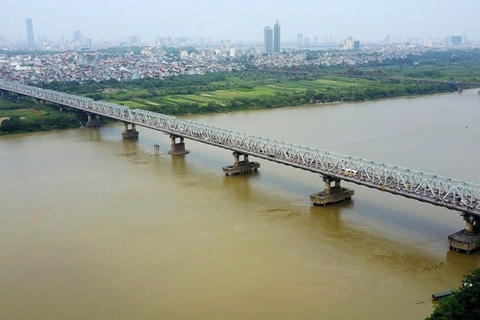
267	40
30	41
77	35
276	37
349	43
299	38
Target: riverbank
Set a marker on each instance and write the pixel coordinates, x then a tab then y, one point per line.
49	118
248	90
266	94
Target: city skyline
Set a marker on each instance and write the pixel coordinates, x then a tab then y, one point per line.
366	20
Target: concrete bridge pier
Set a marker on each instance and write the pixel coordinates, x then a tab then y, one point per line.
93	122
129	134
466	240
177	148
470	225
240	166
331	194
459	88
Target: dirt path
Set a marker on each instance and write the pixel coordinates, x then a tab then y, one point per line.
35	111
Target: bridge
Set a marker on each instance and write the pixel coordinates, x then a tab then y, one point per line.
454	194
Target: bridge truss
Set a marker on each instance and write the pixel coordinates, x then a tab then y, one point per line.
441	191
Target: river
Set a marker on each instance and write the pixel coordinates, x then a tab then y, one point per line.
94	227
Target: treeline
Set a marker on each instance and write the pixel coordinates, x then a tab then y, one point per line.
141	89
28	116
450	65
435	57
193	83
10	104
463	304
183	84
380	90
46	122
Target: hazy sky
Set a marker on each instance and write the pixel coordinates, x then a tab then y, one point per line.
241	19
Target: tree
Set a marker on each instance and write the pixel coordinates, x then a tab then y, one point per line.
95	96
11	125
464	304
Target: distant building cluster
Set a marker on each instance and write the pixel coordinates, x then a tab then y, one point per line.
152	62
272	42
77	59
456	40
159	62
271	39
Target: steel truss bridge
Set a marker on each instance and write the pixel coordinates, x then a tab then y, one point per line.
434	189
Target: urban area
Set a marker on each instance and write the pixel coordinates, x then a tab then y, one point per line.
76	59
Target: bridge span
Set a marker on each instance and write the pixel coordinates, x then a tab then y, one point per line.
454	194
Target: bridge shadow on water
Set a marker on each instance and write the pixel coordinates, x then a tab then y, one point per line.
241	184
333	224
94	134
467	261
179	164
329	218
130	147
340	225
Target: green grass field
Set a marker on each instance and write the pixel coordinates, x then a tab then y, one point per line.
225	95
23	113
128	103
330	85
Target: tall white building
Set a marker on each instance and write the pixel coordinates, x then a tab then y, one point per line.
349	43
428	42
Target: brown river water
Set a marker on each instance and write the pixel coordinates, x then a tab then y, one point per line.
93	227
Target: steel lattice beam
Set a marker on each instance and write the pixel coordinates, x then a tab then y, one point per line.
434	189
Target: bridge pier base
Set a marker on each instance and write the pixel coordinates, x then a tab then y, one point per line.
240	167
331	194
467	240
177	148
129	134
93	122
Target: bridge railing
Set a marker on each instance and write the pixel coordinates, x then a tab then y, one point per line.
435	189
